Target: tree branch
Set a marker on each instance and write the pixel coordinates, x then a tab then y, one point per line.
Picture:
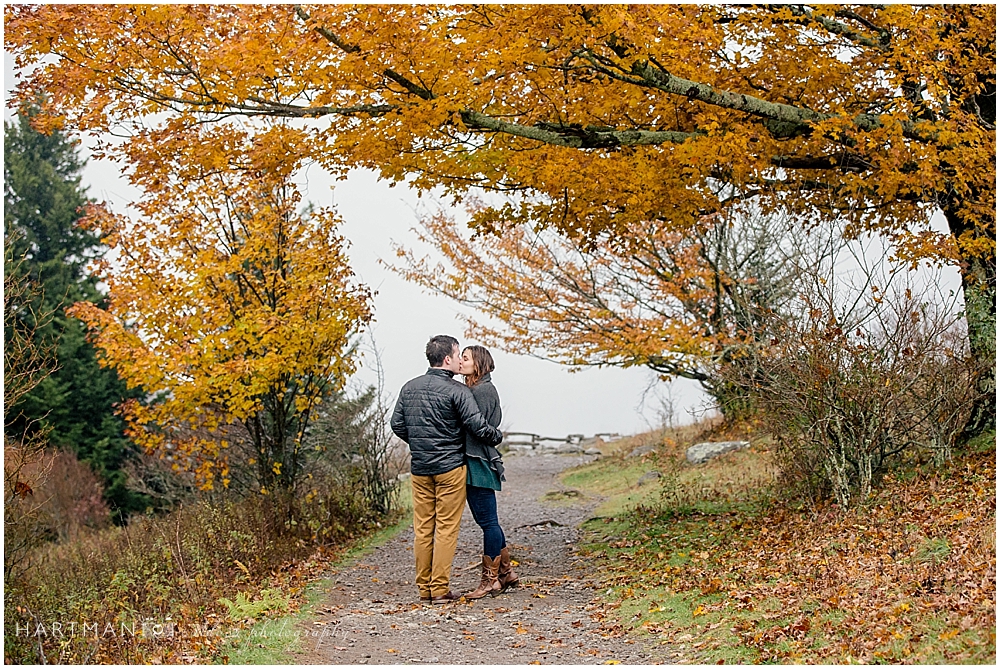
578	137
786	120
844	161
836	27
330	37
410	86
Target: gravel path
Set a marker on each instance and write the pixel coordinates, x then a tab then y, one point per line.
372	615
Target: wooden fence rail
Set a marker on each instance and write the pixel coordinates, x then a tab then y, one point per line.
532	438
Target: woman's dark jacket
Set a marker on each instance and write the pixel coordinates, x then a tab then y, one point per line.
489	405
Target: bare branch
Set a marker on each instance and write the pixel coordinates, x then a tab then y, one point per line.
838	28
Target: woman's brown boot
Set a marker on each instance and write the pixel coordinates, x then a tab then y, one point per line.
489	584
506	574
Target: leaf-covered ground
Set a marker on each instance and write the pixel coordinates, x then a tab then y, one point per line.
711	567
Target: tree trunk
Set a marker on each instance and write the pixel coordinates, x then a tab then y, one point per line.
979	287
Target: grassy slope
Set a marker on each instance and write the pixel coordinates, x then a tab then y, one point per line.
709	567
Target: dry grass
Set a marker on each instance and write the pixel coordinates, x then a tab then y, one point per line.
173	571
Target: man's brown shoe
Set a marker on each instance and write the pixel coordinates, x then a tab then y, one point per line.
505	573
489	585
447	598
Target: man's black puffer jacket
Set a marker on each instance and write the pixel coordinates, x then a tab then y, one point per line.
430	415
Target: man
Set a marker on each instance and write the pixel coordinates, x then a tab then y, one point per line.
431	415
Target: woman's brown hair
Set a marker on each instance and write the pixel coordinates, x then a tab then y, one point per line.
482	363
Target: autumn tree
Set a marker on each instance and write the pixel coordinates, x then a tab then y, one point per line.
232	309
676	303
601	118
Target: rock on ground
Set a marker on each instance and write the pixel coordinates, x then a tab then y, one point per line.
372	616
648	477
641	450
707	450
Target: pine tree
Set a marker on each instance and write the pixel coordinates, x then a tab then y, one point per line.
43	202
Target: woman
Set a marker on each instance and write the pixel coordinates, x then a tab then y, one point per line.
485	472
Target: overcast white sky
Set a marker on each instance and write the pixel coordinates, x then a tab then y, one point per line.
536	396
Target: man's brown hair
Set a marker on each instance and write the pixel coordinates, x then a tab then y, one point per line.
439	348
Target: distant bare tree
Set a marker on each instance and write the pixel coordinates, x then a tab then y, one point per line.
674	302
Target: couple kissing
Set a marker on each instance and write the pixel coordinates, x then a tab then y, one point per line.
451	429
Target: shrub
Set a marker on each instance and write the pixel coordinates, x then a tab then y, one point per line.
24	522
216	553
181	567
71	495
853	384
27	360
350	449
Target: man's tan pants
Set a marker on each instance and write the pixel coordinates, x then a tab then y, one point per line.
438	502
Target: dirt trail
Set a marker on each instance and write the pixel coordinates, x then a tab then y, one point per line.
372	615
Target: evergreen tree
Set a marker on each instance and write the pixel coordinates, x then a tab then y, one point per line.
43	202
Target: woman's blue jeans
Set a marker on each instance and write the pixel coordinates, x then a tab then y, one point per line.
483	504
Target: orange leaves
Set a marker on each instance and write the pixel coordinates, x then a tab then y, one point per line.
23	490
225	294
869	111
655	296
877	114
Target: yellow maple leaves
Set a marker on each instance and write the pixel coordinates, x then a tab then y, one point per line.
225	294
877	114
870	111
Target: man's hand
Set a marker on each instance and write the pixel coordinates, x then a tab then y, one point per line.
472	418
